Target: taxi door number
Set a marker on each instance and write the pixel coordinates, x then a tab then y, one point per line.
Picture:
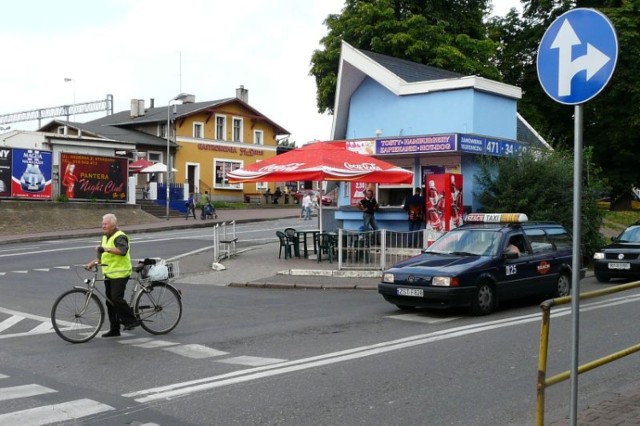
510	269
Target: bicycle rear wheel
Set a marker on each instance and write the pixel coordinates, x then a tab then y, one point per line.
77	316
159	307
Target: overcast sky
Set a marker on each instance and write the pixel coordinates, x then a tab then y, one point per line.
147	49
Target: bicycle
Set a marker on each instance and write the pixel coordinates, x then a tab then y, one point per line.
77	315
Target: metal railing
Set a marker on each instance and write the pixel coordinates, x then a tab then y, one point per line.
377	250
224	240
543	381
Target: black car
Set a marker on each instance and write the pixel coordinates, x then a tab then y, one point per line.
621	258
491	258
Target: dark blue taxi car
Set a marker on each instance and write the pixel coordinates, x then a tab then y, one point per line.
491	258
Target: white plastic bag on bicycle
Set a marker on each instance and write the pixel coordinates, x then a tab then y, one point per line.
158	272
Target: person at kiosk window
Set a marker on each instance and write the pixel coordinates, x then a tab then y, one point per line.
368	205
115	257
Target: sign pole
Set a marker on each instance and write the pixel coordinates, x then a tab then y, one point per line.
576	261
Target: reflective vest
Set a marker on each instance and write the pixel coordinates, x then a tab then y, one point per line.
115	266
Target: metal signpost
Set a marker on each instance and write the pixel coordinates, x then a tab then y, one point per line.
576	58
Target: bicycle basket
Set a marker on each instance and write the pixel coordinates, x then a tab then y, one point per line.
158	272
173	269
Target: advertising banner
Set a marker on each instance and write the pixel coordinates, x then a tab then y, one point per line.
31	174
92	177
5	172
357	192
416	144
489	146
444	203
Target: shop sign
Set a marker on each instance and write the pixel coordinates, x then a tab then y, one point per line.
416	144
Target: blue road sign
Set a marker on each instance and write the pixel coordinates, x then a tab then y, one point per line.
577	56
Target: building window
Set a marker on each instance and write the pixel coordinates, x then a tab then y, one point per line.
197	130
258	137
222	167
237	129
221	127
162	131
62	130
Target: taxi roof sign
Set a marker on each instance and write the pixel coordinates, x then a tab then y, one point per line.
496	217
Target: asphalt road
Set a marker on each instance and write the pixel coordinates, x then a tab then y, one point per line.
289	357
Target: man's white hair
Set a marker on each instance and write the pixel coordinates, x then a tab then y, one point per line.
111	218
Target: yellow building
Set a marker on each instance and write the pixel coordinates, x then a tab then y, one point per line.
207	139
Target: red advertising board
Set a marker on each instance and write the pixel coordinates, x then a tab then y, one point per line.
444	203
89	177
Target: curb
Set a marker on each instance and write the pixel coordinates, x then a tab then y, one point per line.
304	286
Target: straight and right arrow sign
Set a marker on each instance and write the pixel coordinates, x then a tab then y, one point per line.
577	56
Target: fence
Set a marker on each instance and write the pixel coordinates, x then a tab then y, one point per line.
377	250
543	381
224	240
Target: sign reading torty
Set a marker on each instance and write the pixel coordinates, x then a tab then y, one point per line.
409	145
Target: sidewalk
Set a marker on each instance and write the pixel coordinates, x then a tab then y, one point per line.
616	407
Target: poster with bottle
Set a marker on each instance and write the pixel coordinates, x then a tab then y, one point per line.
31	174
93	177
444	203
5	172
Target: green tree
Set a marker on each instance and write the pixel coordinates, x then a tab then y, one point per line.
541	186
448	34
611	119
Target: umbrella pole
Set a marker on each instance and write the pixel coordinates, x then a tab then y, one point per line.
320	210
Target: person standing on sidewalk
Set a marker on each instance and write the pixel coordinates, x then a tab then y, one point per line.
368	205
414	205
204	202
115	257
306	206
191	206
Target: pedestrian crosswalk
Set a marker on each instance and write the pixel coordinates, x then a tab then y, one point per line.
37	414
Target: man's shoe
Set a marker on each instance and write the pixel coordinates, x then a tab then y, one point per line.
111	333
131	325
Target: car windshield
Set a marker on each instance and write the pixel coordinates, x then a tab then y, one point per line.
631	235
470	242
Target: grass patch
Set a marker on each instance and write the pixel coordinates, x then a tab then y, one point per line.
619	220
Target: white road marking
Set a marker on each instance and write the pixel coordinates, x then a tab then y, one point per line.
19	272
195	351
48	414
43	327
24	391
135	341
2	376
156	344
421	318
252	361
42	269
9	322
242	376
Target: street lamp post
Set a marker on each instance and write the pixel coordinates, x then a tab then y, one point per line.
181	97
72	80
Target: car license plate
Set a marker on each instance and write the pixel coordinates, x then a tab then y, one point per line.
619	266
413	292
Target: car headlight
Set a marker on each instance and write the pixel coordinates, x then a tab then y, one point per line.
388	278
598	256
445	282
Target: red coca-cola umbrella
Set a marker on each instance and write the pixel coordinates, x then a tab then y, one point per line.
321	161
136	166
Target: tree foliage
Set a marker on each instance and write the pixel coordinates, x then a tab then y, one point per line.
448	34
541	186
611	119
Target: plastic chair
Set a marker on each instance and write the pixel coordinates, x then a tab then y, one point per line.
284	243
293	237
327	243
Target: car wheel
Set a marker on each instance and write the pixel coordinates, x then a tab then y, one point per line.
406	307
484	301
563	286
602	278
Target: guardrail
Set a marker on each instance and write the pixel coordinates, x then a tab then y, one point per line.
543	381
377	250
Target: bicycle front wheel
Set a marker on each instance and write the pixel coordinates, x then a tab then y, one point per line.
159	307
77	316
